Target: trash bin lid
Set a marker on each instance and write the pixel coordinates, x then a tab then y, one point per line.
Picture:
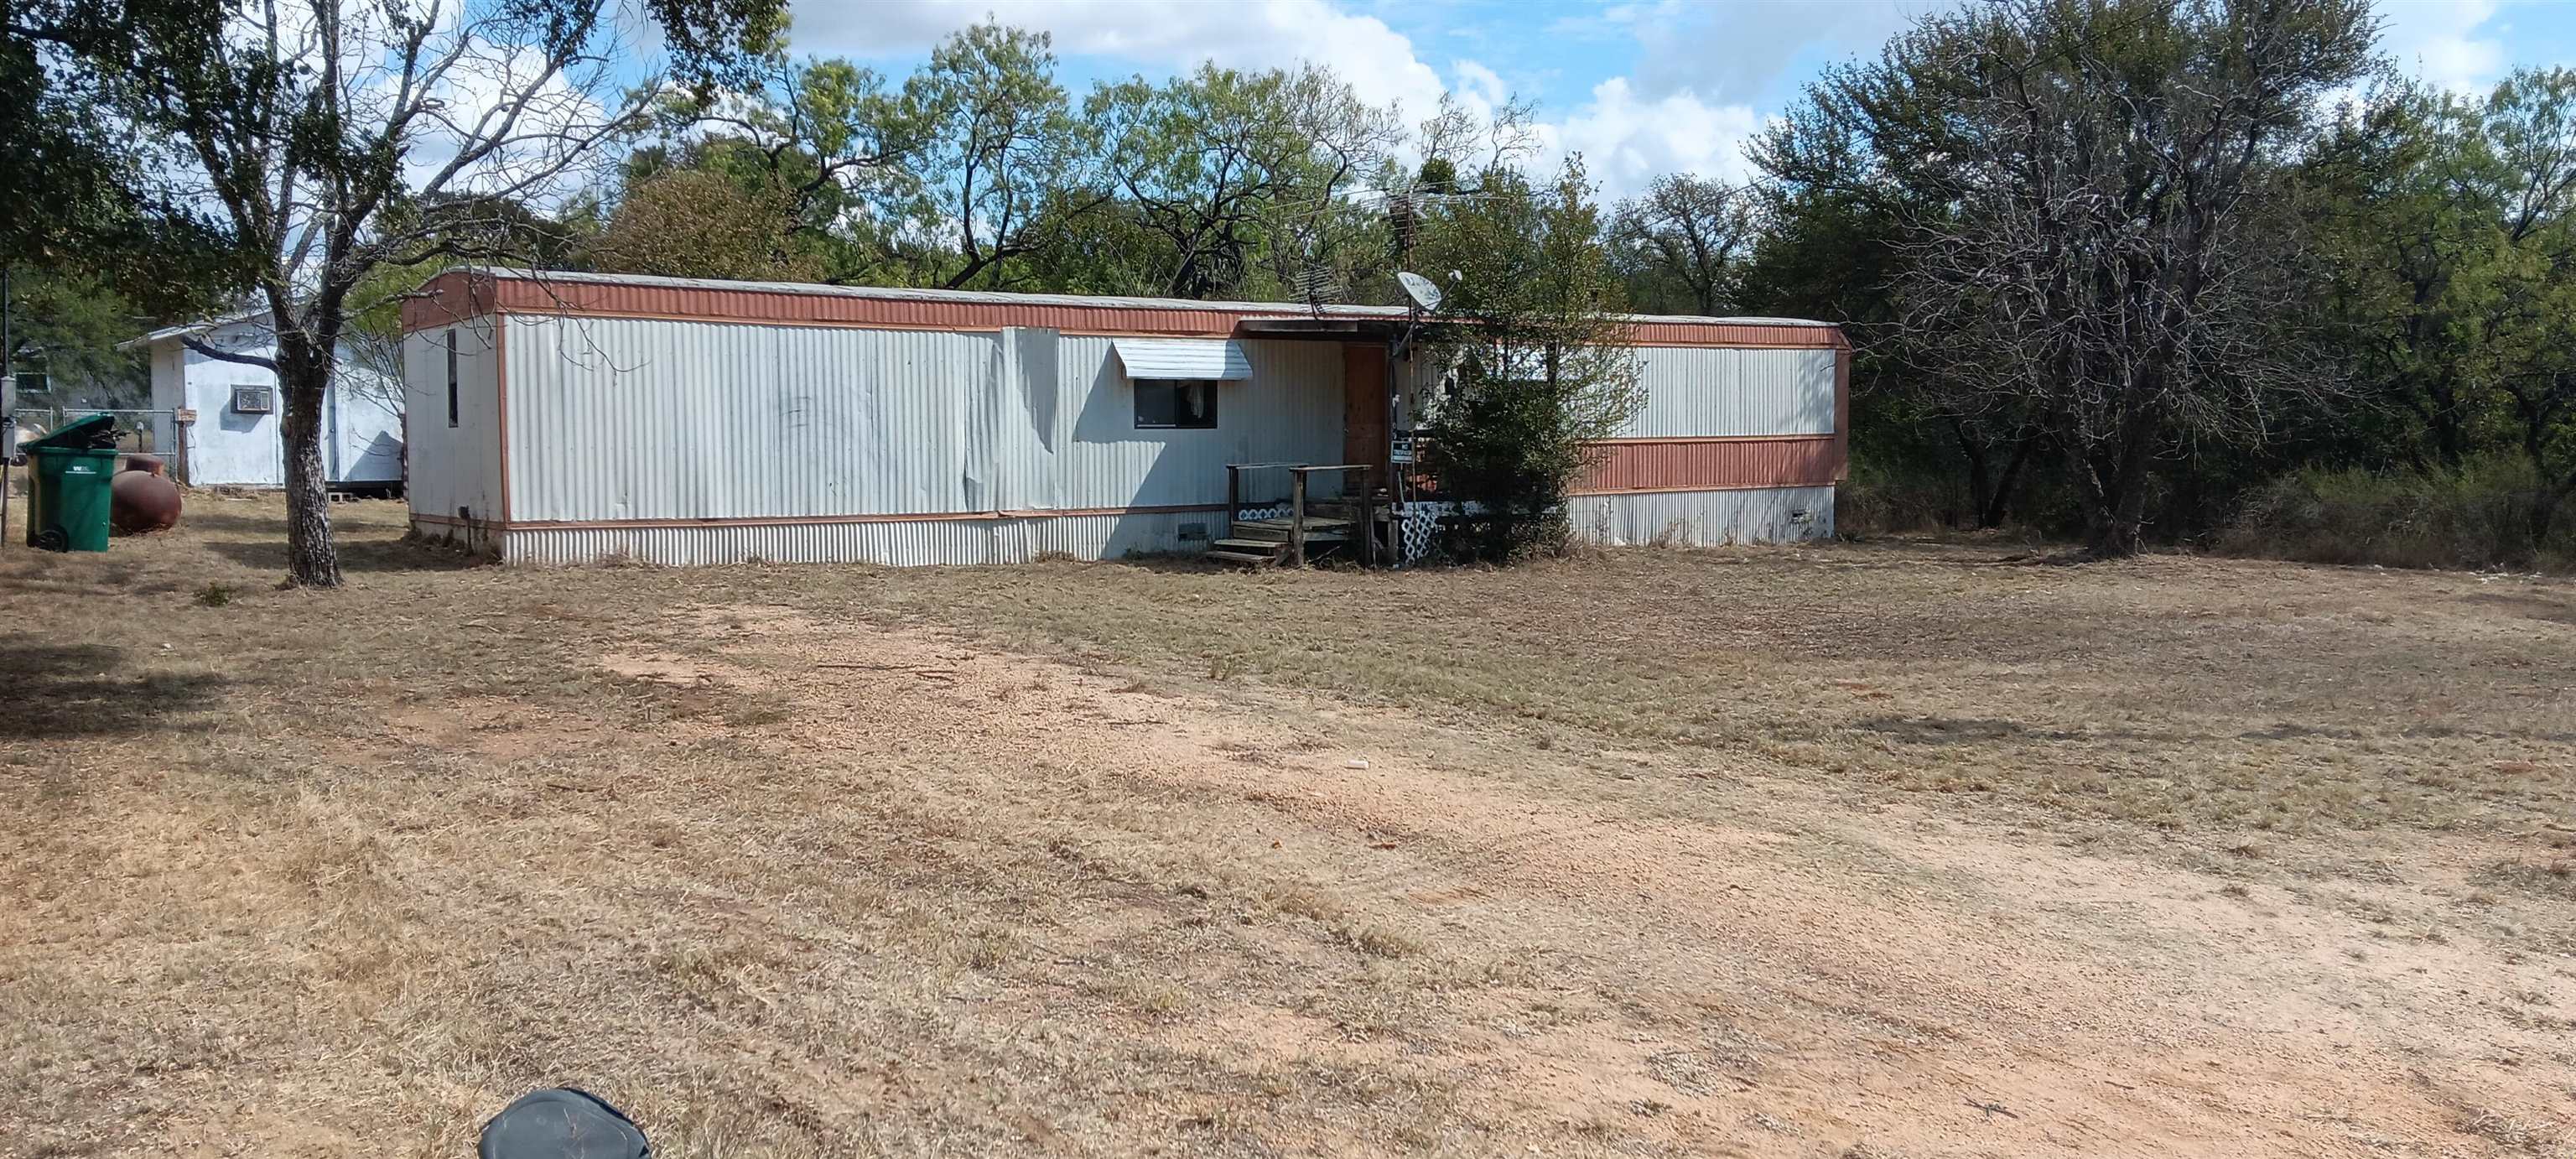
87	433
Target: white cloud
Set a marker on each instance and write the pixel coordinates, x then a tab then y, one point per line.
1627	139
2442	43
1626	135
1378	61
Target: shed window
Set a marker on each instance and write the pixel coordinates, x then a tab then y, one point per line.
451	378
1187	404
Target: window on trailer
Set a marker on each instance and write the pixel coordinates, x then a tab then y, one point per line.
451	378
1187	404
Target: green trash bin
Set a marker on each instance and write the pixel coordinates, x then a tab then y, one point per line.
67	485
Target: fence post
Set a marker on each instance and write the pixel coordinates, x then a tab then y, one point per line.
1368	524
1233	496
1296	517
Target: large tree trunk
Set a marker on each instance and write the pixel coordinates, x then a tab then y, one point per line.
2117	516
303	375
1991	512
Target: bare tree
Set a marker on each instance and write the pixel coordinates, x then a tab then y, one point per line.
2096	239
320	128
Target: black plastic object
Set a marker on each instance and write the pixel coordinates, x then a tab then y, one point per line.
562	1123
88	433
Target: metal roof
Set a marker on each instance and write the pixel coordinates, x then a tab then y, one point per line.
997	298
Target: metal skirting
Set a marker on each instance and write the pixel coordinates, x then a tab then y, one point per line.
907	543
1663	519
1704	518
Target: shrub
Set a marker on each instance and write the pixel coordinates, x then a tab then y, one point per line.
2495	512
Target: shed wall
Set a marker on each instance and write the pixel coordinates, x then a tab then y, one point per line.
227	447
362	415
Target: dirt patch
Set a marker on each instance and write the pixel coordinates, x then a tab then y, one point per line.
1830	852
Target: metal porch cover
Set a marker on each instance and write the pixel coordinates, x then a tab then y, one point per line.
1221	359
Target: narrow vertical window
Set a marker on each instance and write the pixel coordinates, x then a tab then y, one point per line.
451	378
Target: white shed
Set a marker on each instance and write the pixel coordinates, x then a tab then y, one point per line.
233	435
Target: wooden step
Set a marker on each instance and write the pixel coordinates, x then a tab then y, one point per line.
1265	534
1253	545
1313	523
1242	557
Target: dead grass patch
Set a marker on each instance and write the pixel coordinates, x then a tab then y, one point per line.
756	855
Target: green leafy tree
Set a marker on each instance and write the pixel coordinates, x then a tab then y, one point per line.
2449	226
64	330
1541	364
820	150
312	124
699	223
1227	171
1680	245
1006	166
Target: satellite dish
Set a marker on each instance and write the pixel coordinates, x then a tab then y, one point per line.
1420	289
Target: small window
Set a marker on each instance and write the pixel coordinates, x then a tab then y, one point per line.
253	400
1187	404
451	378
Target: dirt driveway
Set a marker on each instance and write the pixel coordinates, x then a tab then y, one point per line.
786	880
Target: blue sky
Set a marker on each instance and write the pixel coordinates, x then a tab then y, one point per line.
1639	87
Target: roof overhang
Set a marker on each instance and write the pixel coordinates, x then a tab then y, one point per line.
187	329
1327	329
1220	359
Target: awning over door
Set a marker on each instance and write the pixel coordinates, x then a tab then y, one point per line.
1202	358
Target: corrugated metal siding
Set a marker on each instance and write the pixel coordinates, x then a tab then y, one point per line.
1678	464
1693	391
637	419
1205	358
1705	518
1290	410
459	466
619	419
906	544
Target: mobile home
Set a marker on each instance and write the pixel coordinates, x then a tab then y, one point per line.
558	417
228	414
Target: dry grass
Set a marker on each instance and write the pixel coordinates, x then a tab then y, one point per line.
1653	849
2174	693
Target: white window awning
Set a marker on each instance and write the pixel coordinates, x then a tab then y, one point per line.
1221	359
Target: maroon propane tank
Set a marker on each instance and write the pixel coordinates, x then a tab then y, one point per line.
140	501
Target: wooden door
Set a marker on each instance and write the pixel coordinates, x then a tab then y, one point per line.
1364	406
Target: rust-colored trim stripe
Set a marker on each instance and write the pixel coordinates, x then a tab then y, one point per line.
1842	412
1705	464
501	407
1661	440
1579	493
459	294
